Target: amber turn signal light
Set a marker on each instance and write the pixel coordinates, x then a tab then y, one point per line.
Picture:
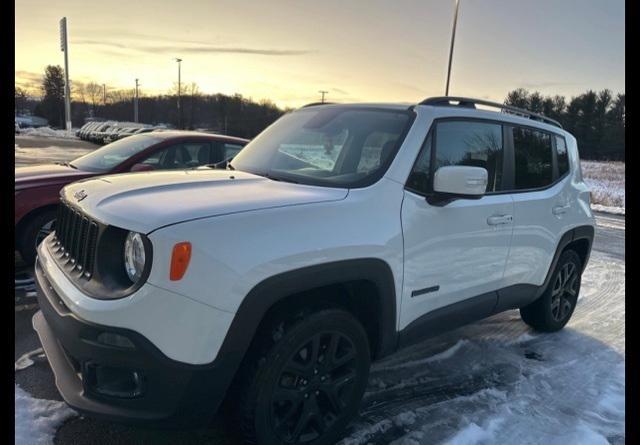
180	260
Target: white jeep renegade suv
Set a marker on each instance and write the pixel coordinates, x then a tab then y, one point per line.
338	235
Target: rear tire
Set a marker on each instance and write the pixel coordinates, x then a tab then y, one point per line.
304	381
554	308
34	232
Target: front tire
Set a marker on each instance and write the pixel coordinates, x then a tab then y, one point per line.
305	383
554	308
34	232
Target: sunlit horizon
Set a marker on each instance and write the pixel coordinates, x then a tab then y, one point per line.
288	51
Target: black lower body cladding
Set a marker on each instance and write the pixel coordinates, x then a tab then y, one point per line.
129	380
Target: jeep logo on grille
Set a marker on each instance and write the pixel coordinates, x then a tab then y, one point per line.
80	195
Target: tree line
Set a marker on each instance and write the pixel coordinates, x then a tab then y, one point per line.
234	115
596	119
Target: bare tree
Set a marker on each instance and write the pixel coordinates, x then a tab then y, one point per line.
78	90
122	95
94	93
193	92
21	100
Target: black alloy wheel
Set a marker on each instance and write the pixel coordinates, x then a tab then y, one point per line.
304	379
314	388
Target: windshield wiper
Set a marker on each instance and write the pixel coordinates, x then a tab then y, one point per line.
67	164
279	178
222	165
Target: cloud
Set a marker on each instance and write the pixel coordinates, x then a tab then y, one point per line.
194	48
28	80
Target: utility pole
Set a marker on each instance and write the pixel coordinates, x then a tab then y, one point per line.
135	105
67	90
453	38
179	108
323	93
104	94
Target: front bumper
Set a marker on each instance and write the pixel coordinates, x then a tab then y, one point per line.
170	393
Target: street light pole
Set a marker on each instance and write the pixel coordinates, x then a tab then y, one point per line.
135	105
67	90
179	108
453	38
323	93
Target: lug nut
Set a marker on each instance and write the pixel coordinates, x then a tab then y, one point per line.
315	371
306	396
317	393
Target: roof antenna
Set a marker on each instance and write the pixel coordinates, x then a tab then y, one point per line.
453	38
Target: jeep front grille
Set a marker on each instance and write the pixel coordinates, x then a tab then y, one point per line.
75	240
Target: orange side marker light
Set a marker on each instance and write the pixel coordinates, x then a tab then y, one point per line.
180	258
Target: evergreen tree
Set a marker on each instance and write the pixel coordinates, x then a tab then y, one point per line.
52	105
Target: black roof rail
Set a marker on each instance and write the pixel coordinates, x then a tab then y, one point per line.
468	102
317	103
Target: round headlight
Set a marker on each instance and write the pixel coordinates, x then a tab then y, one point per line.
134	256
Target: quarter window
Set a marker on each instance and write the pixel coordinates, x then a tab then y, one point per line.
419	179
562	156
533	158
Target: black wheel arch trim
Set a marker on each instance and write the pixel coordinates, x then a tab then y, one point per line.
270	291
586	232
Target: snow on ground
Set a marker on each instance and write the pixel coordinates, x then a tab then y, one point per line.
606	181
43	155
497	381
48	132
37	420
608	209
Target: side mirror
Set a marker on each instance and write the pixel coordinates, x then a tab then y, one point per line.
459	182
142	168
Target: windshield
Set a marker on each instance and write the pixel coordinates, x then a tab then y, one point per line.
334	146
107	157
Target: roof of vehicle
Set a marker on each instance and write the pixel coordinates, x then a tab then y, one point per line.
166	134
461	103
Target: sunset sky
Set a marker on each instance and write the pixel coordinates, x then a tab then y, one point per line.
287	50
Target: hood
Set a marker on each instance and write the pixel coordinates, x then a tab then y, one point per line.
41	175
145	201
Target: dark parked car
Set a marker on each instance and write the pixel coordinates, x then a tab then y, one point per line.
37	187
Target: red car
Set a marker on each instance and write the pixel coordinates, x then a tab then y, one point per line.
37	188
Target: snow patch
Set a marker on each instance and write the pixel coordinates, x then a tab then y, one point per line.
473	434
36	420
26	360
446	354
608	209
405	419
48	132
606	182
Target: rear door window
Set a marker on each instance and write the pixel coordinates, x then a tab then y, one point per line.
533	158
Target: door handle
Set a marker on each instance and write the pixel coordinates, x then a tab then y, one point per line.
559	210
499	219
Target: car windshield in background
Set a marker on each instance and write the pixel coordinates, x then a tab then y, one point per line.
107	157
334	146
